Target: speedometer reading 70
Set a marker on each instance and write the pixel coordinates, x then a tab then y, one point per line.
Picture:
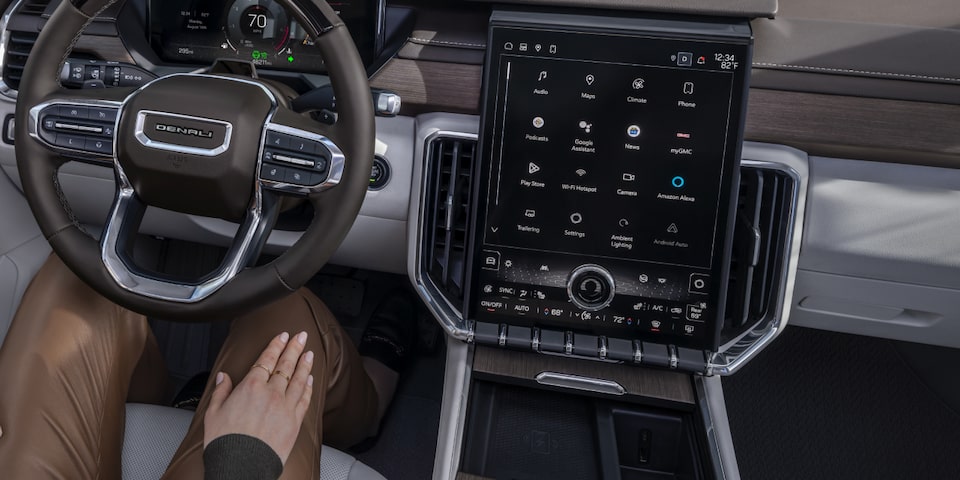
262	32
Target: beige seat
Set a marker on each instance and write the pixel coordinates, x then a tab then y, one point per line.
153	434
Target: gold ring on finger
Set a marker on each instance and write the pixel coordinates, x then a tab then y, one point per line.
264	367
284	375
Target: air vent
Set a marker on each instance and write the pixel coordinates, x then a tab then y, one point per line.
18	48
33	7
759	247
22	34
446	227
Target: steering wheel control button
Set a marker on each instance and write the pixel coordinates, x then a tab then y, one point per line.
98	146
379	174
74	142
277	140
591	287
274	173
298	177
78	128
103	114
302	145
74	112
700	283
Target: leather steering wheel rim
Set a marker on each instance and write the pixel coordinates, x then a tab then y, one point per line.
335	209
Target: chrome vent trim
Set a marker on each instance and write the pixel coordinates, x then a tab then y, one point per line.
738	351
765	197
443	303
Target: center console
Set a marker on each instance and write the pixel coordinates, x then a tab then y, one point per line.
600	245
608	158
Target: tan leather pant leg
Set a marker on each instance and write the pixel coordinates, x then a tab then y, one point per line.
344	405
65	368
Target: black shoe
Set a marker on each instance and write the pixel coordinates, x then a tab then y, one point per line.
391	336
189	396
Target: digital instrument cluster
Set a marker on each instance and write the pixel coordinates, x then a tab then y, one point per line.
259	31
608	163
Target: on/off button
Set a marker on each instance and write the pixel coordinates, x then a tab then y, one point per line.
700	283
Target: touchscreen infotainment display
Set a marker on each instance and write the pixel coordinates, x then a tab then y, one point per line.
608	164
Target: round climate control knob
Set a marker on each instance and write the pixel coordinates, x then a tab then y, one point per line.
591	287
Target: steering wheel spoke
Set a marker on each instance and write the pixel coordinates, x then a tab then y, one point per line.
120	231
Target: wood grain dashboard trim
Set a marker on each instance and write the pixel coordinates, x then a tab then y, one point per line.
432	86
637	381
827	125
855	127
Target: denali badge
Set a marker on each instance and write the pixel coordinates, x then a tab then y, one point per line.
185	131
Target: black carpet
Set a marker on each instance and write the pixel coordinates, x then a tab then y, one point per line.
825	405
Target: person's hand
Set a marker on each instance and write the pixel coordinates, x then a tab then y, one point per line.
270	401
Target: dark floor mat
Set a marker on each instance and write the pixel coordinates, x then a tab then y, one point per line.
825	405
408	438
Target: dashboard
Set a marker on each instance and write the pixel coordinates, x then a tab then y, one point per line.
603	166
258	31
883	134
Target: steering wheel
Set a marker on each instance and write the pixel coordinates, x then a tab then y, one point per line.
217	145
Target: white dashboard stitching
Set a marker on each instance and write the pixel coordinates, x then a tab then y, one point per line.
844	70
444	42
76	38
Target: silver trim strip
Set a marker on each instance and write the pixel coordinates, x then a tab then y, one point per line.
381	33
576	382
453	409
146	141
78	128
713	409
295	161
